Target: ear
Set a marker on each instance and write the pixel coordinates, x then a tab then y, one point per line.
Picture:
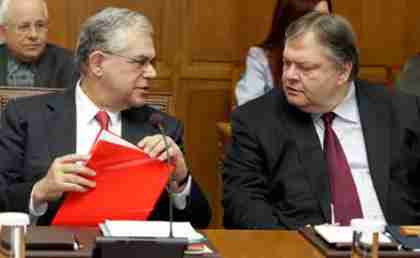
345	73
96	59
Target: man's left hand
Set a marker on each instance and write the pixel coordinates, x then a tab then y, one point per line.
155	147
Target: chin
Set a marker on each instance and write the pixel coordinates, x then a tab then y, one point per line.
137	102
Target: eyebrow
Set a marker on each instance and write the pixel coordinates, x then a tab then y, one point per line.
140	57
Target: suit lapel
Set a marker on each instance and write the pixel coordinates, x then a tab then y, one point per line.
61	121
136	125
375	120
311	156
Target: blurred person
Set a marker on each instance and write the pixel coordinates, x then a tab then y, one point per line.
409	79
264	62
26	59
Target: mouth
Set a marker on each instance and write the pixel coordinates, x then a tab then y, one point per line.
293	91
143	88
34	46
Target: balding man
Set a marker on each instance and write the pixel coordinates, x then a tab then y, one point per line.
26	59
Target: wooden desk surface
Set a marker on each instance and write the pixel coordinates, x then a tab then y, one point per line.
261	244
229	243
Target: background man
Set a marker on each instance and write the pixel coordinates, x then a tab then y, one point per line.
326	147
115	54
26	59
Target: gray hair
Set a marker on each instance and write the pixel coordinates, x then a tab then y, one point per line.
334	33
5	8
108	31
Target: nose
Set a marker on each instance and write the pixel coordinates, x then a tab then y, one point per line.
290	72
33	32
149	71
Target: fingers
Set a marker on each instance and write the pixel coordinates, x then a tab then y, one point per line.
155	147
75	169
75	183
72	158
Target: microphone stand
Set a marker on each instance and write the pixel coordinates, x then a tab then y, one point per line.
172	181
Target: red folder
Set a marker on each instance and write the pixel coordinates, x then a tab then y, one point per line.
128	185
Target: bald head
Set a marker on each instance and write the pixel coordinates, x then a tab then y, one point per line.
10	8
25	27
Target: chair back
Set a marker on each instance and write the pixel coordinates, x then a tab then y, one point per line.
162	100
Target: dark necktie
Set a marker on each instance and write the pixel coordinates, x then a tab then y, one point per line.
103	119
343	190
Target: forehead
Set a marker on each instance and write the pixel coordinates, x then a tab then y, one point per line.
140	44
305	48
27	10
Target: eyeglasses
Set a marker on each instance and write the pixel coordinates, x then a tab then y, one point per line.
141	62
26	28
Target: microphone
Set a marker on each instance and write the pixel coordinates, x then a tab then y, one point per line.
156	119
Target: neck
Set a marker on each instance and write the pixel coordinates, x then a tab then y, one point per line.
98	96
338	98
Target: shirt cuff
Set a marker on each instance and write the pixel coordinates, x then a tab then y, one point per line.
180	199
36	211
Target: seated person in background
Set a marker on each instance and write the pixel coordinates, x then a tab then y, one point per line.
409	79
264	62
44	140
326	147
26	59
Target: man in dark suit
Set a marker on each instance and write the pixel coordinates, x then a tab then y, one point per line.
326	147
26	59
39	134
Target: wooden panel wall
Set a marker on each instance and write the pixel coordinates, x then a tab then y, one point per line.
199	42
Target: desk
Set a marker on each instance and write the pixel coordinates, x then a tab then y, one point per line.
261	244
229	243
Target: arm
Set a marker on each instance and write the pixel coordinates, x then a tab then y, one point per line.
25	170
197	209
246	201
257	77
14	189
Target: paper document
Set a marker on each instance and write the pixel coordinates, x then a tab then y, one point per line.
344	234
125	228
128	185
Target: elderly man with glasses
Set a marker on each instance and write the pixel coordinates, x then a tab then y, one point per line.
43	136
26	59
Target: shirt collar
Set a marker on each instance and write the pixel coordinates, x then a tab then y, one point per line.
89	109
347	109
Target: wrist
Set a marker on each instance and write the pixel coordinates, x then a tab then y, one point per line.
183	181
38	195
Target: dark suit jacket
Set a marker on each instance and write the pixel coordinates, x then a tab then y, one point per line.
36	130
275	174
55	68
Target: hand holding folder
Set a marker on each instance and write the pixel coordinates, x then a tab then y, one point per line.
128	185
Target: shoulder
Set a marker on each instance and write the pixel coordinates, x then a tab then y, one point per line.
379	93
55	50
33	107
145	113
262	108
258	54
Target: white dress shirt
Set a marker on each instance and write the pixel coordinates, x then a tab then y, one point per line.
348	128
86	132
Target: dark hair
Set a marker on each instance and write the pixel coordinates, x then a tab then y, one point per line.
334	33
285	12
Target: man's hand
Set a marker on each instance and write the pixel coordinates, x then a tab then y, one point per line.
154	146
66	174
